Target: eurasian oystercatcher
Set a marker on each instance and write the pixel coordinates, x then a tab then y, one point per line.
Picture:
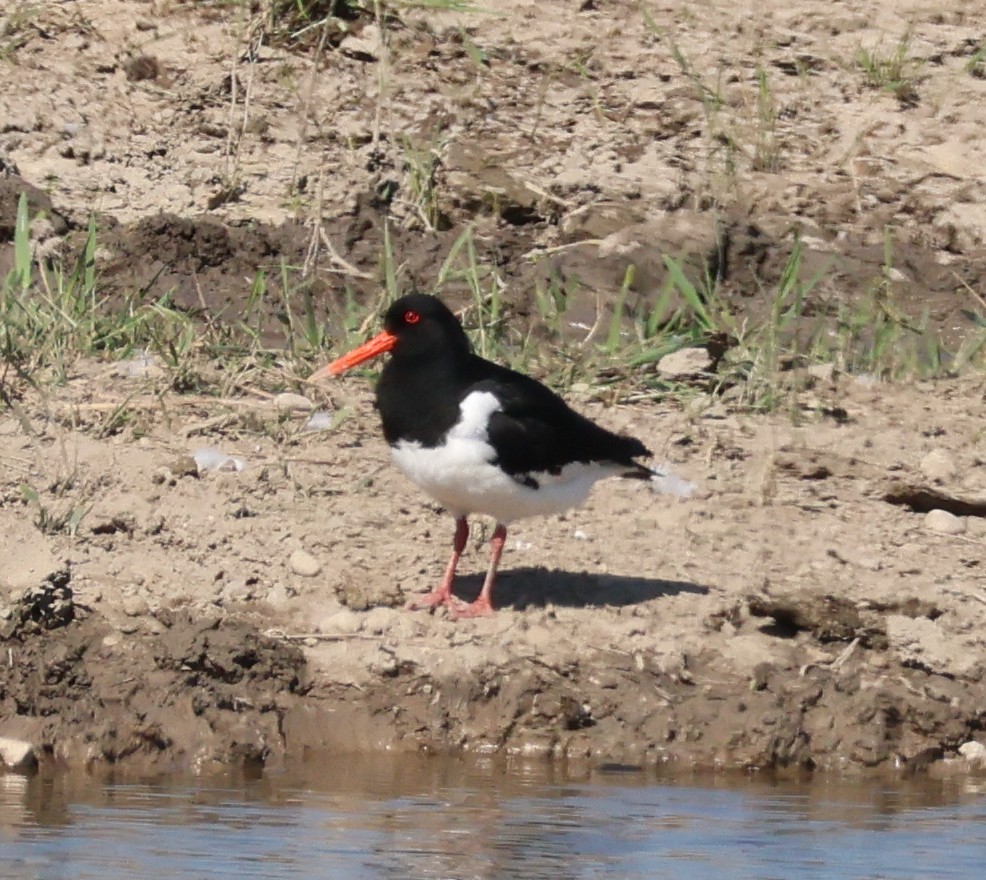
479	437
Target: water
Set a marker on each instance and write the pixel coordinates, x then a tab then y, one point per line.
444	818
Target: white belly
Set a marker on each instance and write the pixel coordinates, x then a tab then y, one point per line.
461	476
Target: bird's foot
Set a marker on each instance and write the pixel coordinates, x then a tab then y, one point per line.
429	600
482	607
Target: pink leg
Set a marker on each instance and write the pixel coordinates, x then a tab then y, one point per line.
443	595
484	604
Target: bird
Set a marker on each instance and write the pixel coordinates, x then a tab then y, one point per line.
478	437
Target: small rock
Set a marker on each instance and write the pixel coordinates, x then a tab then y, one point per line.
938	465
822	372
364	46
684	364
288	402
209	458
320	420
667	483
620	243
239	590
360	593
184	466
16	754
134	606
343	622
974	752
303	563
943	522
277	596
143	363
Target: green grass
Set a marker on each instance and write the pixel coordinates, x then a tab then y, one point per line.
894	71
766	150
51	317
976	65
711	96
48	316
15	26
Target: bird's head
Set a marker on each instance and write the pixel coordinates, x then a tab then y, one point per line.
415	326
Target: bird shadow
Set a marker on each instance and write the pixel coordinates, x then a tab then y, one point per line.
522	588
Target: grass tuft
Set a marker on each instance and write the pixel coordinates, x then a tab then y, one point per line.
51	316
895	72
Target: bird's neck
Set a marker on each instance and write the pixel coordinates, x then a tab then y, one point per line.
418	395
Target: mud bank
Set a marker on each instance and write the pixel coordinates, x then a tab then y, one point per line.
802	609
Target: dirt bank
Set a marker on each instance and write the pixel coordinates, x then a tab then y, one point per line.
786	614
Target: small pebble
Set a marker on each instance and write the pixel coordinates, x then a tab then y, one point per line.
974	752
184	466
320	420
133	606
16	754
303	563
343	622
938	465
943	522
822	372
209	458
684	363
288	402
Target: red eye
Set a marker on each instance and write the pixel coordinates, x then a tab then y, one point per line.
411	317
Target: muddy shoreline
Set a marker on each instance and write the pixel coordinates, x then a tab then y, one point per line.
786	617
180	691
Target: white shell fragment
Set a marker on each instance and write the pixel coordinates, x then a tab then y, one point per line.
320	420
143	363
208	458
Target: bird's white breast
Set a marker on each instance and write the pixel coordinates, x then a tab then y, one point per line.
461	474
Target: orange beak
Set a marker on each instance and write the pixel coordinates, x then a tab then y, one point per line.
380	343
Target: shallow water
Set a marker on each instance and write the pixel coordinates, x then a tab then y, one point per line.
444	818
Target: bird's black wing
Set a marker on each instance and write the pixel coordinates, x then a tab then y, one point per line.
535	431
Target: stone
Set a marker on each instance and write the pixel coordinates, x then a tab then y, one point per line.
938	465
184	466
943	522
364	46
974	752
822	372
343	622
209	459
288	402
17	754
684	363
134	606
304	564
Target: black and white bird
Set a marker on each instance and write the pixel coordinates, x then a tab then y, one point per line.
479	437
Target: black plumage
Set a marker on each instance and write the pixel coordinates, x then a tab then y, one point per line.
432	369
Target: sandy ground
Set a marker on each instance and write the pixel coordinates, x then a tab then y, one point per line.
800	609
